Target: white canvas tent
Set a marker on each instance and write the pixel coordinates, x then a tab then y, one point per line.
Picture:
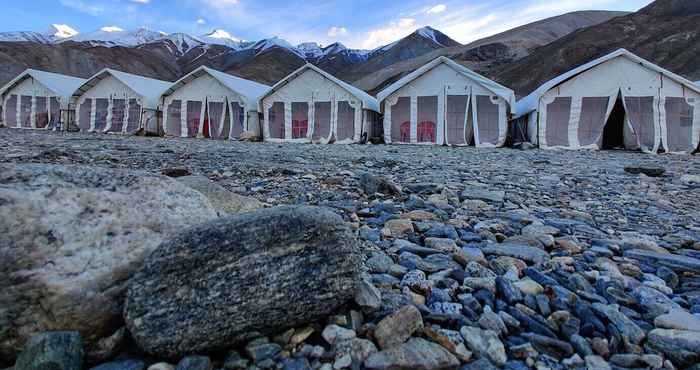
35	99
209	103
117	102
619	100
444	102
310	105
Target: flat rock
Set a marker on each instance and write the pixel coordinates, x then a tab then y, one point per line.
233	279
678	319
224	201
673	261
77	235
625	325
480	193
523	252
416	354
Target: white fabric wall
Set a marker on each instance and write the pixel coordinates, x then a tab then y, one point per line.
205	88
607	80
312	87
109	88
28	87
441	81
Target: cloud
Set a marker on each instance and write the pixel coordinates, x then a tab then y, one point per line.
337	31
141	1
201	21
437	9
392	32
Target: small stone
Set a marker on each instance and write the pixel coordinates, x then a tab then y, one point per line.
626	326
523	252
417	354
649	171
234	361
485	343
162	366
194	363
334	333
342	362
597	362
398	227
52	350
367	295
479	193
396	328
300	335
528	286
358	349
262	351
372	184
122	365
524	351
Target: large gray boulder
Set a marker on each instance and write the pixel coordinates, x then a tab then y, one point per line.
225	202
70	239
240	277
52	351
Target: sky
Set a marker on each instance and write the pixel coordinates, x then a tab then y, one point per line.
356	23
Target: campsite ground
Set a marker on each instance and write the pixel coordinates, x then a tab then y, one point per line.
544	182
580	261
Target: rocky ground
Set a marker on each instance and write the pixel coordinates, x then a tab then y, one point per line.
472	258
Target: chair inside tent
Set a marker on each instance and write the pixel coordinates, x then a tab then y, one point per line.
427	118
401	120
300	120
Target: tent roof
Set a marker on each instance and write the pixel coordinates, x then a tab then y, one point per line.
248	90
368	101
530	102
60	84
149	88
501	91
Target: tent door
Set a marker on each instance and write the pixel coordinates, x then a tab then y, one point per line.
613	133
456	110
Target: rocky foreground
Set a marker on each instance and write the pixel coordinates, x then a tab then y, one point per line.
135	253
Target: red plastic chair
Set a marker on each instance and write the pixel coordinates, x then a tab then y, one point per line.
300	129
426	132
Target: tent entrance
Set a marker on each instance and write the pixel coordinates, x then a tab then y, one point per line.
614	130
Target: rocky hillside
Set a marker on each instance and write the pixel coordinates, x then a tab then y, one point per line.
486	54
666	32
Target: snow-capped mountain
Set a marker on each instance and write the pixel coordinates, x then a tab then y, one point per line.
221	37
54	33
115	36
311	49
274	42
60	31
183	42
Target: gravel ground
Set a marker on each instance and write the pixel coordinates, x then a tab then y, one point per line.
472	258
591	185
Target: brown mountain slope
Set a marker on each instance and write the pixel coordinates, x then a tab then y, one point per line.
490	53
81	60
667	32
